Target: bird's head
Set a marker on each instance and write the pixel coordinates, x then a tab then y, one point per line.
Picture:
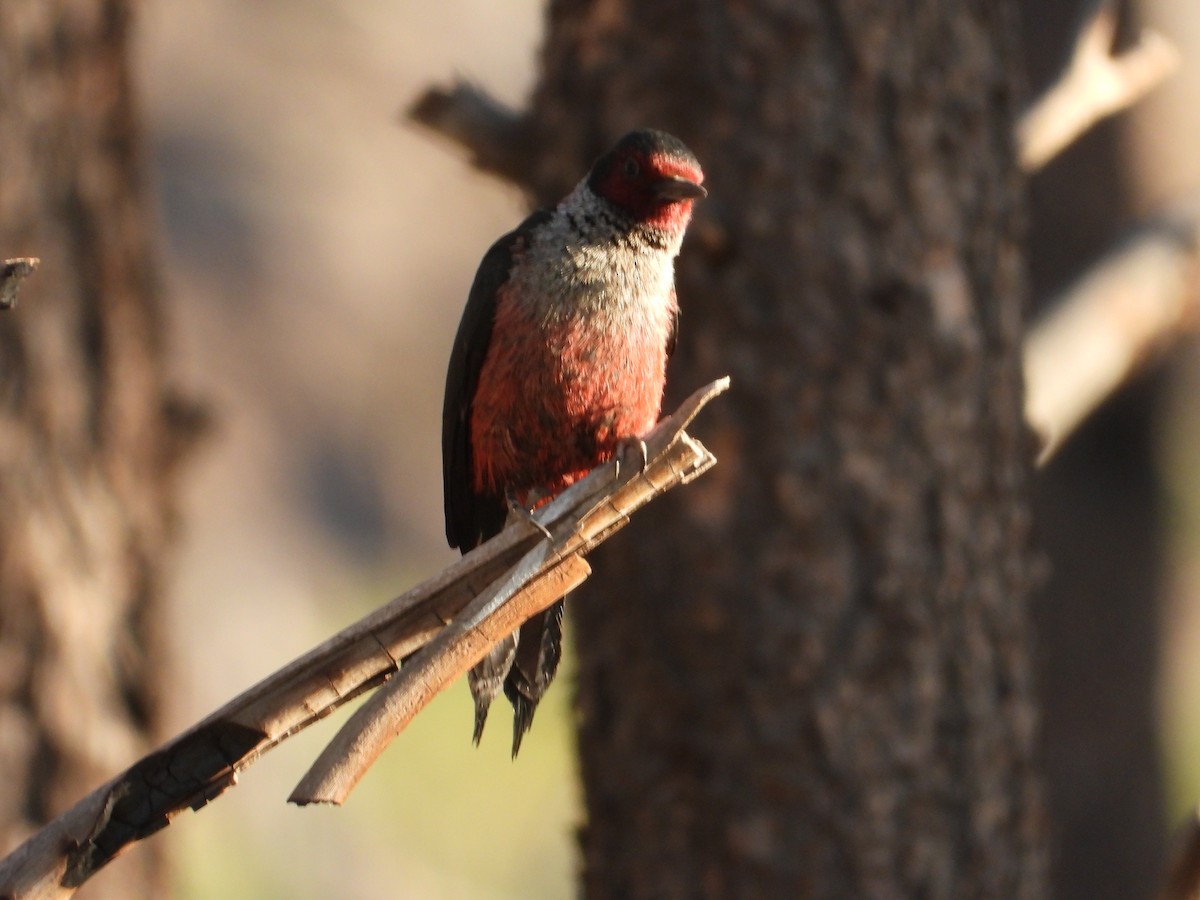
650	176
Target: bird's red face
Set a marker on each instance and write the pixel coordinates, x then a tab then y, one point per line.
651	176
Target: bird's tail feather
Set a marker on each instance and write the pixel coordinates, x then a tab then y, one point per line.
487	677
534	665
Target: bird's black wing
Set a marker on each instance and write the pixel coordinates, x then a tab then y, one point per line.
472	518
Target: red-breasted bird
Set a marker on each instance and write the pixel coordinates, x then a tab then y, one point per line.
560	356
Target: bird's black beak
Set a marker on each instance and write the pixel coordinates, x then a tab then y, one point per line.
678	188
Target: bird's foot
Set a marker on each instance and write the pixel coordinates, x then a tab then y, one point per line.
631	452
521	511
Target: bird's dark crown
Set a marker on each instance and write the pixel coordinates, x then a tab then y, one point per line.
651	175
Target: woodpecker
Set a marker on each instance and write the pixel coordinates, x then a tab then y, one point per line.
560	356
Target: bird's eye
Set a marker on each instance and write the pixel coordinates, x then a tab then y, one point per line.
632	168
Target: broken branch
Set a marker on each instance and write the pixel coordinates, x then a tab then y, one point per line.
1108	323
576	526
204	761
1094	84
12	272
498	139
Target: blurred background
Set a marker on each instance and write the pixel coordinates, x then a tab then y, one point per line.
1162	140
318	251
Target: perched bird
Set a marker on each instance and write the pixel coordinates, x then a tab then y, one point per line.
560	356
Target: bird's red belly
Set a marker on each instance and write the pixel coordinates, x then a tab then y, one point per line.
553	402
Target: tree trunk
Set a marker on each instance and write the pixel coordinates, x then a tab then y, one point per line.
809	675
88	433
1097	506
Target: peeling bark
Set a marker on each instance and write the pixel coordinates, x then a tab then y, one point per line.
89	435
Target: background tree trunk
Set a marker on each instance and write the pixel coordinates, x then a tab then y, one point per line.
88	432
1097	616
810	675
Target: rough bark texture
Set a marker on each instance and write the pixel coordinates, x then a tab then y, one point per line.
87	441
811	675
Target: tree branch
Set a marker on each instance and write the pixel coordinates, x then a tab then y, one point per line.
499	139
1104	327
12	272
1094	84
575	527
459	647
204	761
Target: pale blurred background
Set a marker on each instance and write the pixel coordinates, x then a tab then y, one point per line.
318	255
1164	157
318	251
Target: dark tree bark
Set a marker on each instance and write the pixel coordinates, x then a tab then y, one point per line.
810	676
89	435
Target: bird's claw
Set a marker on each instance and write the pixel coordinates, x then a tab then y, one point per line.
517	508
635	448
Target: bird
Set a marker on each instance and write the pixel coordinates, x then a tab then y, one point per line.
560	357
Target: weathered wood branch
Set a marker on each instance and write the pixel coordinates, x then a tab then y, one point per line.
1094	84
12	272
204	761
575	527
498	138
1131	305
